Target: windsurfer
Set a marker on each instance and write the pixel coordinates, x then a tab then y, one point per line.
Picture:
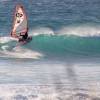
20	25
21	37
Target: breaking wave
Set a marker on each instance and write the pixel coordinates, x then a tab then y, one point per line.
41	30
65	42
82	30
9	48
78	30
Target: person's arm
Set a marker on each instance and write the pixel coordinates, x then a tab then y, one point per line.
14	35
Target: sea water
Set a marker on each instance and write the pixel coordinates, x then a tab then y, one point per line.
62	61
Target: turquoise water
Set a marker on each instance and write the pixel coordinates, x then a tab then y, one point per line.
55	46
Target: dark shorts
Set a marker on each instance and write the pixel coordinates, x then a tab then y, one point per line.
23	37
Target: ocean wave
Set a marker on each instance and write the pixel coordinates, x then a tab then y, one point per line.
81	30
10	49
51	46
78	30
41	30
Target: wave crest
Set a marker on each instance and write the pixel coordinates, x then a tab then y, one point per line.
83	30
41	30
78	30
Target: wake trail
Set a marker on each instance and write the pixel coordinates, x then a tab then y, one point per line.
16	51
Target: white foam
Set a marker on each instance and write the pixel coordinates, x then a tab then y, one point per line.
83	30
7	39
41	30
19	52
79	30
31	92
4	47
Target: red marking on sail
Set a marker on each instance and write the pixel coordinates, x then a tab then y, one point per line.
19	22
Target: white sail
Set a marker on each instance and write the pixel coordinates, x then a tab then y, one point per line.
19	22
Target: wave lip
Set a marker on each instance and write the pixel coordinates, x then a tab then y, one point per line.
80	30
41	30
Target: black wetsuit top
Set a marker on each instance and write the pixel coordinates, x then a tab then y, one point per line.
23	37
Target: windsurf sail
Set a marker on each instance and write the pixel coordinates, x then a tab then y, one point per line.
20	25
